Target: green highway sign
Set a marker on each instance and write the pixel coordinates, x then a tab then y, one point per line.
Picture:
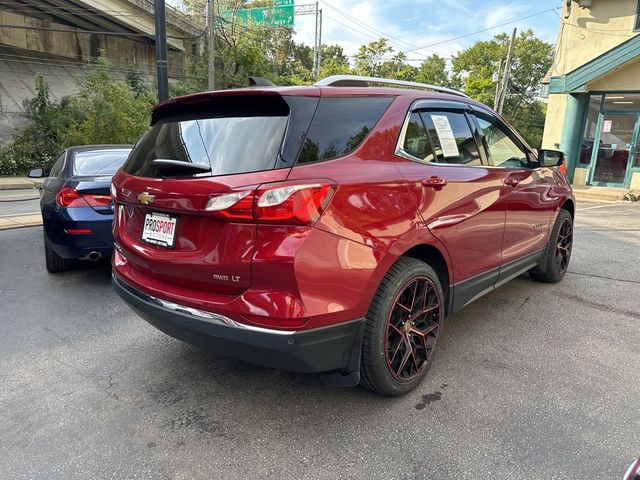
281	14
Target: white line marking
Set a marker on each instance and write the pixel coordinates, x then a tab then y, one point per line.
601	206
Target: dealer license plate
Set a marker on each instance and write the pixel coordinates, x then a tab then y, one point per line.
160	229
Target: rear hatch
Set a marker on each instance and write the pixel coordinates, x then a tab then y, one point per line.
183	215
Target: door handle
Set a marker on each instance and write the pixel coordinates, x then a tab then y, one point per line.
434	182
512	181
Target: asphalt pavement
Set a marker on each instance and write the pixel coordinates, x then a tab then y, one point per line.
531	381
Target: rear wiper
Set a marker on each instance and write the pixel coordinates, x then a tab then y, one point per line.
177	167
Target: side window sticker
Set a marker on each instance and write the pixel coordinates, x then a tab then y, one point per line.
445	134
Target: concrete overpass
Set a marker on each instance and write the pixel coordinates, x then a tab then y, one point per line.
56	38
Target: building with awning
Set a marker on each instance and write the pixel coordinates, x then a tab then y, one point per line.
594	93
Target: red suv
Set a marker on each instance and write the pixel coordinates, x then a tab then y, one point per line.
332	228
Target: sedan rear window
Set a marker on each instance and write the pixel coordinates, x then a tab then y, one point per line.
99	162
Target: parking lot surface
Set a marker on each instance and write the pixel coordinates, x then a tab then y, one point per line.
531	381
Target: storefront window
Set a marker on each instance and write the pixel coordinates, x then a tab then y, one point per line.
622	101
590	127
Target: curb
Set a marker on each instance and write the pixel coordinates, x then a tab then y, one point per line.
20	221
19	184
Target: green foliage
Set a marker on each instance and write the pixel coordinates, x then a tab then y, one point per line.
194	80
475	66
109	111
113	113
370	57
104	111
433	70
42	139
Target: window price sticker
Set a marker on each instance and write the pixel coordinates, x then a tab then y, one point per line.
445	134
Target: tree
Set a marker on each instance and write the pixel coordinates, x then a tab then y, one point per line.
433	70
474	68
398	68
333	61
112	111
371	56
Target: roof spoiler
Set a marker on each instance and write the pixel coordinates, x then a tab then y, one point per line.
260	82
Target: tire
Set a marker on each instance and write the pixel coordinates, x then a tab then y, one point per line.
555	261
393	329
54	262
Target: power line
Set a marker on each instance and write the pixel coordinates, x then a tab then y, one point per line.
510	22
370	28
367	35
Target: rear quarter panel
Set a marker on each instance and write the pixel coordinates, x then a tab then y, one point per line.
371	221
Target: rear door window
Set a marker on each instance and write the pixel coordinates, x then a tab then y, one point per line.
416	141
99	162
340	125
452	138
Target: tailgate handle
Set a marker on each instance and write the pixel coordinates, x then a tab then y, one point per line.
434	182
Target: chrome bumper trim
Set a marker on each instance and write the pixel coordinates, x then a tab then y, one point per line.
209	317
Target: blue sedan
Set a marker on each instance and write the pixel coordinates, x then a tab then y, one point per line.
77	210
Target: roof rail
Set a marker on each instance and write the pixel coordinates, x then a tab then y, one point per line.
358	81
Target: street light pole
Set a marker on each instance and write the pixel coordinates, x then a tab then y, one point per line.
161	51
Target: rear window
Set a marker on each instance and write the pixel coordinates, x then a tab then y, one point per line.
99	162
340	125
229	135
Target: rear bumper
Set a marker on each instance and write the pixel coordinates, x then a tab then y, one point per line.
79	245
336	347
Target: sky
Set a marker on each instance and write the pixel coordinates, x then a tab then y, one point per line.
411	24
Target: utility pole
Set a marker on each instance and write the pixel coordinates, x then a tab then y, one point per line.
319	50
497	79
316	69
161	51
212	44
507	73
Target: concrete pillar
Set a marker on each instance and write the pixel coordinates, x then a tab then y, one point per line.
571	139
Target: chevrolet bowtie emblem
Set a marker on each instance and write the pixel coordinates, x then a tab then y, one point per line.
145	198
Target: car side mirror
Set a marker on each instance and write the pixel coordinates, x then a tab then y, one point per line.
550	158
36	173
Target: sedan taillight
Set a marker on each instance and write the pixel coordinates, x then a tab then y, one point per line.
68	197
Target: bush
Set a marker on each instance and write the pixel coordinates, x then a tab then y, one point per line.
104	111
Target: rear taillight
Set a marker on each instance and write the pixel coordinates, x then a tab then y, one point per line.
238	205
287	204
299	204
97	200
70	198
